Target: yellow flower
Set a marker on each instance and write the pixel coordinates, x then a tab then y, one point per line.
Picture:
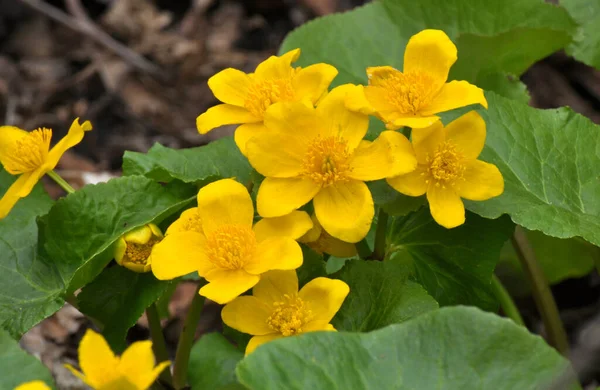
28	154
102	370
413	97
320	153
448	169
33	385
322	242
134	249
277	309
217	240
247	96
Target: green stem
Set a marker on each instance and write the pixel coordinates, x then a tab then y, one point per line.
382	221
158	341
363	249
508	305
541	292
61	182
186	339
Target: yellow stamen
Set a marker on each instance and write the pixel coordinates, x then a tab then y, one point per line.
231	246
29	152
327	160
409	91
289	316
139	253
446	165
264	93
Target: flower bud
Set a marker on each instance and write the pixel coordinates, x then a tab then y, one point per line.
134	249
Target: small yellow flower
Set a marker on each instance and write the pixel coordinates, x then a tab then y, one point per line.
102	370
134	249
217	240
320	154
33	385
277	309
413	97
448	169
246	97
28	154
322	242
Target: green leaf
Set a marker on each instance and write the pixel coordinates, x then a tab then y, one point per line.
82	228
380	295
455	266
494	39
17	366
586	45
393	202
219	159
312	266
117	298
447	349
212	363
31	285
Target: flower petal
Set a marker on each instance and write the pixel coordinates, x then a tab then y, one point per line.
248	315
275	154
257	341
96	359
224	202
38	385
139	235
246	131
293	225
345	210
275	253
230	86
73	137
414	122
468	134
324	296
277	197
318	325
179	254
224	114
276	67
17	190
453	95
274	285
426	141
411	184
312	82
226	285
294	119
430	51
336	247
188	221
137	363
356	100
446	206
9	135
482	181
314	233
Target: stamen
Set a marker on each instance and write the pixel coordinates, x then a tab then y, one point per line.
231	246
327	160
29	152
289	316
267	92
408	91
139	253
446	165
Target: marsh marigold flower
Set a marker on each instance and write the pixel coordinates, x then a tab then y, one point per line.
102	370
28	154
320	154
246	97
413	97
33	385
218	240
448	169
134	249
322	242
277	309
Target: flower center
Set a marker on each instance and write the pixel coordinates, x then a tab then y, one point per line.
29	152
409	91
266	92
327	160
289	316
446	164
139	253
231	246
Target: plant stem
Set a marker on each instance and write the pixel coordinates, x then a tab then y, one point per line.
363	249
506	302
186	339
61	182
382	222
158	341
541	292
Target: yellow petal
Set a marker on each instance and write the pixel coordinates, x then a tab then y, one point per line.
277	197
426	141
324	296
137	363
339	120
246	131
19	189
247	315
481	181
312	82
446	206
33	385
468	134
295	118
277	67
75	372
139	235
224	114
414	122
274	285
224	202
189	220
356	100
97	361
226	285
293	225
336	247
9	135
453	95
257	341
411	184
275	253
430	51
314	233
155	230
230	86
317	325
275	154
179	254
73	137
345	210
